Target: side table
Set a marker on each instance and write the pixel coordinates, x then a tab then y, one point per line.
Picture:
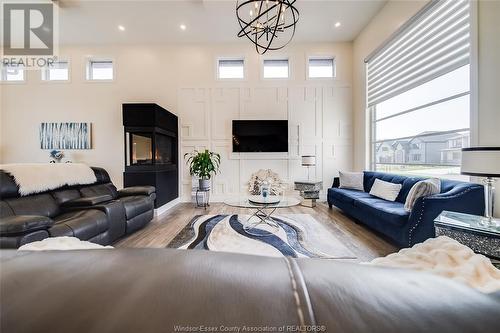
309	191
204	201
470	230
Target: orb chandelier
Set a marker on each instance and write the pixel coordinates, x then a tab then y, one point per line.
269	24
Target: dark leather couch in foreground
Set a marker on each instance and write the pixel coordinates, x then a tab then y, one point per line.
157	290
391	219
97	212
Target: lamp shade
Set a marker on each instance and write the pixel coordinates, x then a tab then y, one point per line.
481	161
308	160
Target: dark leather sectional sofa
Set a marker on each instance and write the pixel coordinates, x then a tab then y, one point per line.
166	290
98	212
391	219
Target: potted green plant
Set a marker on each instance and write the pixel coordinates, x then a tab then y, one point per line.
203	165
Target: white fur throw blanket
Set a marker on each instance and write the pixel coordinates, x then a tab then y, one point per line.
61	243
40	177
447	257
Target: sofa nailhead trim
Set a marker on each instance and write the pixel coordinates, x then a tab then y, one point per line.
410	233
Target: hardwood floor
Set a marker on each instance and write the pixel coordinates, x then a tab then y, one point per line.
365	244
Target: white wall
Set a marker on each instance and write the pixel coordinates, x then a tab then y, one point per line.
181	78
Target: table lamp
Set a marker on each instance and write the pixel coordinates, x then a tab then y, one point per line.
483	162
308	161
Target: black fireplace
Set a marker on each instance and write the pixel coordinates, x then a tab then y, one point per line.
151	149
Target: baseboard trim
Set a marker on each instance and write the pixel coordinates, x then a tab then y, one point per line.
166	207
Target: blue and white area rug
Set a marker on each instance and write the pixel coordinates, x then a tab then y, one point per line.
298	235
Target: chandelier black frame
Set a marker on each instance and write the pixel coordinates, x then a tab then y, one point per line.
267	19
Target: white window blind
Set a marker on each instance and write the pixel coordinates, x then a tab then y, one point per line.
321	68
12	74
231	69
58	71
276	68
435	42
100	70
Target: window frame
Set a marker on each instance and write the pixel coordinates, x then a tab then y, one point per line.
322	57
4	81
275	58
44	72
372	111
235	58
88	62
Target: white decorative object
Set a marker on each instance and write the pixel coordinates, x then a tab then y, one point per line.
277	186
351	180
40	177
61	243
448	258
483	162
385	190
422	188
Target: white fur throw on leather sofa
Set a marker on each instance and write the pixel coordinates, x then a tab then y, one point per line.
40	177
61	243
448	258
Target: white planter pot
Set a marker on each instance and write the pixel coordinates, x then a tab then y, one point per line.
204	183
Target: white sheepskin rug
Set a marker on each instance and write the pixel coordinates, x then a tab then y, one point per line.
61	243
40	177
448	258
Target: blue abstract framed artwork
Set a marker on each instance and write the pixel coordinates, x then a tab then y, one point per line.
65	135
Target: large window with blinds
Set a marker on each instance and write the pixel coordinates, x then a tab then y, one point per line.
418	87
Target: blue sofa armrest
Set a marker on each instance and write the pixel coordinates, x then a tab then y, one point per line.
463	198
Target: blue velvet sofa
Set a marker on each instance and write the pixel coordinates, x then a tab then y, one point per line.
392	220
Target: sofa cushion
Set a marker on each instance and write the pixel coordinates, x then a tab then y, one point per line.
65	195
100	189
19	224
5	209
136	205
38	204
83	224
346	195
385	190
406	182
392	212
352	180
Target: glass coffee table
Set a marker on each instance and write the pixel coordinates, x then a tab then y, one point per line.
263	212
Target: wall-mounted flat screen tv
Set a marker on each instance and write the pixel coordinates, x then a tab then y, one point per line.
256	136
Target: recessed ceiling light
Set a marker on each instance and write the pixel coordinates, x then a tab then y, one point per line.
121	28
338	24
183	27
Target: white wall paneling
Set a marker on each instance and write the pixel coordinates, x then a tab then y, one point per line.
194	110
320	123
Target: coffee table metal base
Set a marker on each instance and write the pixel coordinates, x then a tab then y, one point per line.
263	218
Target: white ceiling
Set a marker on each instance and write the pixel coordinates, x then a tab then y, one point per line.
207	21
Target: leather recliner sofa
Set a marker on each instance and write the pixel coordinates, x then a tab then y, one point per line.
97	212
406	228
166	290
